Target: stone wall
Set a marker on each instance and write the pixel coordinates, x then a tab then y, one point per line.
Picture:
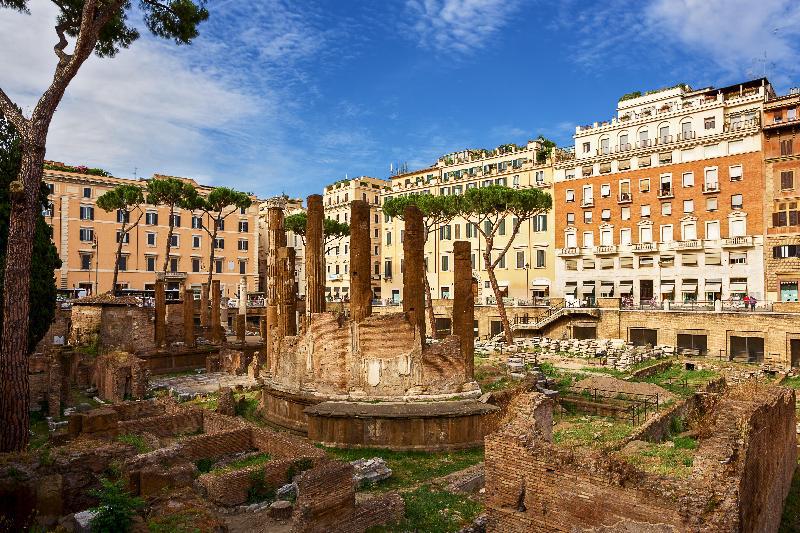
57	334
739	480
120	376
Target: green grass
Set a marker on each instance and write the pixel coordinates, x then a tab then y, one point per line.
253	460
790	521
791	382
674	378
605	370
671	460
431	510
247	407
40	430
590	431
183	522
412	468
137	441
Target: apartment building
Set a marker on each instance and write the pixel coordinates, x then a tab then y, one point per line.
665	200
86	239
336	201
782	172
527	271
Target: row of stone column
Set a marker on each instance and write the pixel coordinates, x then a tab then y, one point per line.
216	332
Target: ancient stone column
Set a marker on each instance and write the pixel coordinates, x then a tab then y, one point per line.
241	318
188	317
414	270
360	274
289	294
463	304
204	307
161	313
216	300
315	255
276	238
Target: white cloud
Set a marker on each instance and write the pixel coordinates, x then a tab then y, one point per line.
458	26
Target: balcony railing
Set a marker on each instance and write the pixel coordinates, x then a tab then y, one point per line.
738	242
666	192
644	247
605	249
710	187
689	244
568	252
175	275
686	135
625	198
587	202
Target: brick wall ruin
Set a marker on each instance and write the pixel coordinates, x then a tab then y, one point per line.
120	376
740	476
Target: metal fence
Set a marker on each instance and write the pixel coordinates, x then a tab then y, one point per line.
628	406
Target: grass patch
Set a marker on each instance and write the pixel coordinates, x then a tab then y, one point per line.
491	375
39	429
247	407
430	510
78	397
240	464
604	370
790	521
183	522
412	468
209	402
137	441
682	382
589	431
792	382
671	458
204	465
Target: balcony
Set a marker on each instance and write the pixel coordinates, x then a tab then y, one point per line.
568	252
690	244
587	202
175	275
605	249
743	241
625	198
709	188
639	247
666	192
686	136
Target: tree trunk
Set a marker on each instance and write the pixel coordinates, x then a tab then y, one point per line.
501	306
212	254
14	387
429	306
169	238
116	263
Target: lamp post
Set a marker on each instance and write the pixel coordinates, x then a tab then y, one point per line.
527	282
96	248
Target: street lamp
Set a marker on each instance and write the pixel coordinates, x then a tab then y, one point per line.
96	248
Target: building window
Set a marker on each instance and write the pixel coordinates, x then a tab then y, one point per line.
151	218
588	239
123	263
785	251
666	209
737	258
195	264
388	237
736	201
124	237
219	243
570	196
688	231
787	180
123	216
688	179
242	267
786	147
520	259
87	192
387	269
712	230
625	213
605	214
570	218
711	203
645	211
86	234
174	264
197	222
87	212
688	206
571	239
243	245
218	266
445	263
195	241
176	221
735	172
709	123
644	185
444	233
174	240
540	223
713	259
586	147
625	236
86	261
605	190
666	233
587	217
540	258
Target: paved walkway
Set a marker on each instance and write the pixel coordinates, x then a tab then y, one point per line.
202	384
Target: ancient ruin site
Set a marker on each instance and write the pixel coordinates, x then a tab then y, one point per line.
189	415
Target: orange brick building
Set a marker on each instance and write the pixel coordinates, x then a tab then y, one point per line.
782	170
665	201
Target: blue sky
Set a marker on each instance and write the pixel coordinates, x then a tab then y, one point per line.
286	96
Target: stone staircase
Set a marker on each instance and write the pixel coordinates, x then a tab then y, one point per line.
554	313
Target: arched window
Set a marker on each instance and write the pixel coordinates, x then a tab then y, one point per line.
664	136
624	141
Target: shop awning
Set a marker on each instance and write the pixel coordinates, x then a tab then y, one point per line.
587	289
537	287
667	288
738	287
540	284
502	283
713	286
689	287
571	289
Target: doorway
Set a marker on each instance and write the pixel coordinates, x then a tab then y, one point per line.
747	349
645	289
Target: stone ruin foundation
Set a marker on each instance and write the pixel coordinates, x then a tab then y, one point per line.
364	379
741	472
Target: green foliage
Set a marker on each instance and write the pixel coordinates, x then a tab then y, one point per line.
332	230
171	192
260	490
545	150
484	202
790	520
45	256
204	465
590	431
182	522
115	509
253	460
170	19
297	467
137	441
672	458
436	210
217	201
412	468
123	196
433	510
76	169
630	96
40	431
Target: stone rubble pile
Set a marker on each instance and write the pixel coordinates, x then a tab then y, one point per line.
370	471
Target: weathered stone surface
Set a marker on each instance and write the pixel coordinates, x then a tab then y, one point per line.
161	313
414	270
119	376
204	310
281	509
217	332
226	403
314	256
360	264
464	305
370	471
188	317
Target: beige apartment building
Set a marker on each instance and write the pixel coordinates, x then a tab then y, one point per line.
336	201
86	239
527	271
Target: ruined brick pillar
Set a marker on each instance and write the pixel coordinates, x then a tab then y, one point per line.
414	269
289	297
188	317
360	274
276	239
315	255
161	313
241	318
204	307
216	300
463	304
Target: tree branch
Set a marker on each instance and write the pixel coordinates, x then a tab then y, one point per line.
12	113
161	6
63	57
